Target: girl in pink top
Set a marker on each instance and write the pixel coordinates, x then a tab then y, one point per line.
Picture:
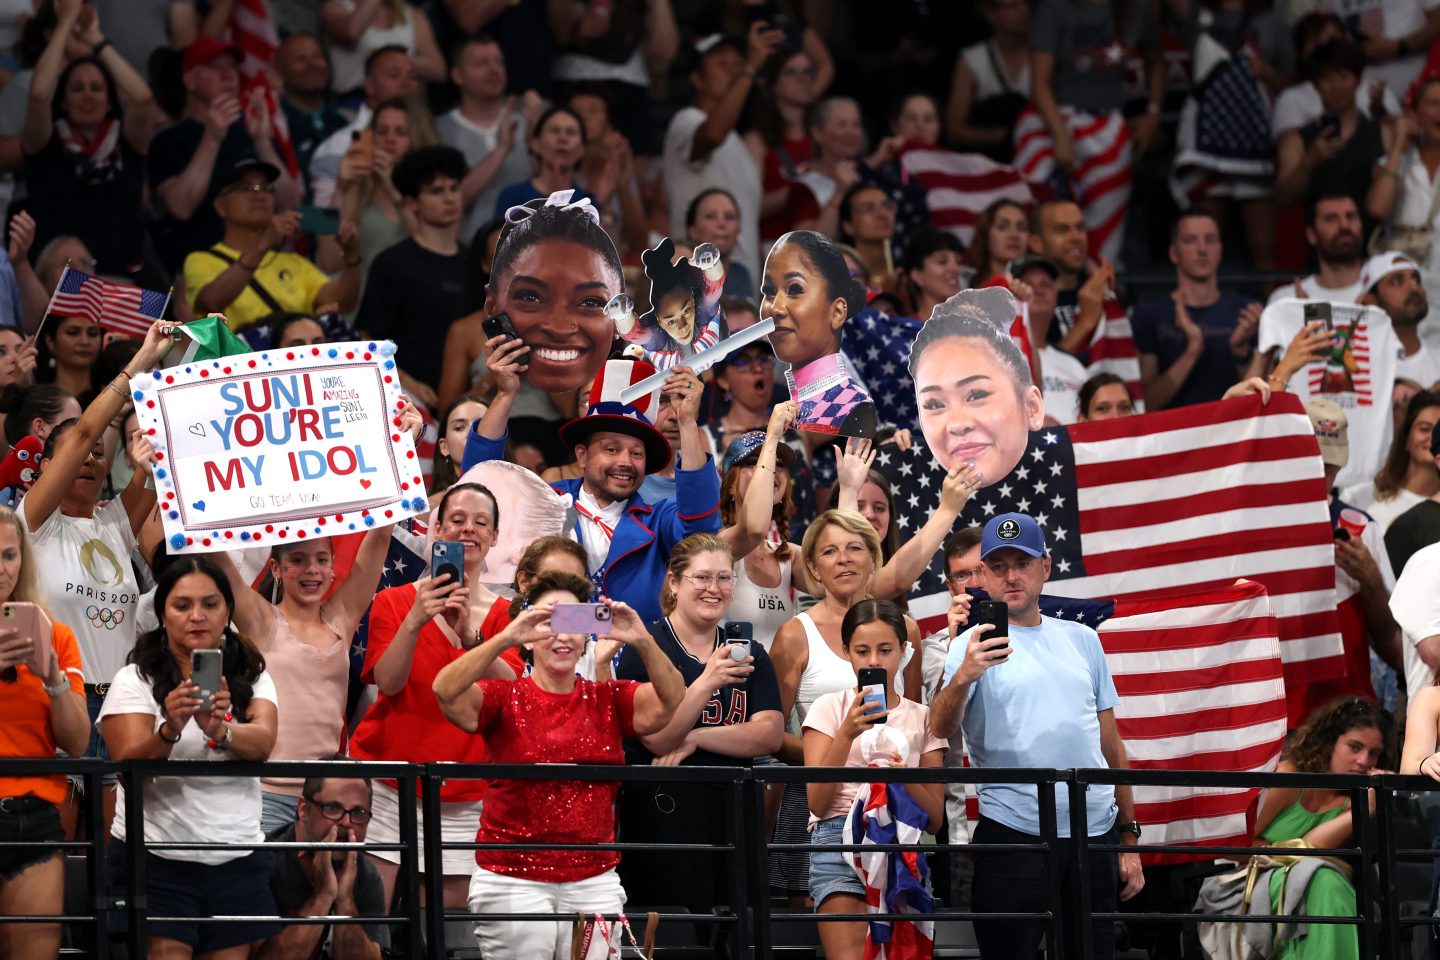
843	729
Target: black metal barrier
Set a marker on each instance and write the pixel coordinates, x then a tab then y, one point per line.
750	917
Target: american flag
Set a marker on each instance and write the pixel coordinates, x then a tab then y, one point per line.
895	881
959	186
1201	687
114	306
252	29
1187	499
404	563
1100	179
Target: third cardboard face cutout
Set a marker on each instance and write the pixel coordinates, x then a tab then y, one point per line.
973	389
685	317
809	293
555	269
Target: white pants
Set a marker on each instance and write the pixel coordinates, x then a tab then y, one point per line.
459	823
537	939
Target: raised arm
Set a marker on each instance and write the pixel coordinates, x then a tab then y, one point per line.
657	700
358	590
486	440
135	95
138	497
253	615
39	124
456	686
724	114
697	484
76	444
758	506
905	567
432	599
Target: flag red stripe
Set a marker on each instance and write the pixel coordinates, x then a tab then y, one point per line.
1201	678
1165	638
1220	546
1252	757
1198	460
1209	503
1196	807
1230	717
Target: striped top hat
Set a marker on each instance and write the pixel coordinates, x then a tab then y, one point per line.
607	413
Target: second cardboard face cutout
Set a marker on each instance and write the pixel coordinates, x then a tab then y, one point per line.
809	293
554	271
973	388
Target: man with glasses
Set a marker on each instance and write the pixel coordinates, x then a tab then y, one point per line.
245	276
322	883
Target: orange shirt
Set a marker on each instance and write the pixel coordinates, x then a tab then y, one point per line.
25	719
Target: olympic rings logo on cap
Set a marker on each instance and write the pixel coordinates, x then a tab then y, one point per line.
1008	530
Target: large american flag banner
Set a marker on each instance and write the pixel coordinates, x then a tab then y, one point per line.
895	881
1201	687
118	307
959	186
252	29
1187	499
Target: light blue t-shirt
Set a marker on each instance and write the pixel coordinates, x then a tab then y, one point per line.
1038	709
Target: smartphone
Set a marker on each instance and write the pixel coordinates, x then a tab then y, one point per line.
997	614
447	557
1319	312
499	325
321	221
739	634
206	666
872	688
28	620
1329	125
581	618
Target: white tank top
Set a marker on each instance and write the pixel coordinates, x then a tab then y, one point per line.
767	608
983	62
827	672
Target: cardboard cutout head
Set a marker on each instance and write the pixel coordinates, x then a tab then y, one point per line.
973	387
531	509
554	271
809	294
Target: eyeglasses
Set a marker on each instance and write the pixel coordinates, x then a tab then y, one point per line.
803	73
964	576
876	206
334	811
250	188
707	580
763	361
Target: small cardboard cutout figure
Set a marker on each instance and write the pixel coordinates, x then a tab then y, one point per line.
685	315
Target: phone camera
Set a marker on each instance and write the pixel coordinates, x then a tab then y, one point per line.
602	611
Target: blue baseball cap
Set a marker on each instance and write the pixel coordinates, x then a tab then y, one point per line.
1016	530
745	450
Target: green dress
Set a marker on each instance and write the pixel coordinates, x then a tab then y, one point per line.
1329	894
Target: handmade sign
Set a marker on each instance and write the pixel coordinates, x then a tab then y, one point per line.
263	448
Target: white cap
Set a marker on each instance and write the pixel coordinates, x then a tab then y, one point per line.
1380	266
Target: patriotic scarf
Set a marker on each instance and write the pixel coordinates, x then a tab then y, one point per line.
894	882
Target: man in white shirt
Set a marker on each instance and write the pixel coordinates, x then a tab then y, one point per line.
1333	228
389	74
1061	374
702	149
1392	282
486	127
1415	604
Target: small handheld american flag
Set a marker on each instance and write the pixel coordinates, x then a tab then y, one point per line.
114	306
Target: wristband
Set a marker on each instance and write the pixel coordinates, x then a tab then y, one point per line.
59	688
161	731
95	50
355	263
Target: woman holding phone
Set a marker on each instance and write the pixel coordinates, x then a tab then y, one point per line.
853	728
730	714
551	716
416	630
42	709
156	710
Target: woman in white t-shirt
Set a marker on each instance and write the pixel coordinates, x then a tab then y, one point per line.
155	711
847	728
83	545
355	29
1409	475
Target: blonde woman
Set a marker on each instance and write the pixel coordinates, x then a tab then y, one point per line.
42	709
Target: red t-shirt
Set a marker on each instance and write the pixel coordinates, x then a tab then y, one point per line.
409	726
524	724
496	621
774	177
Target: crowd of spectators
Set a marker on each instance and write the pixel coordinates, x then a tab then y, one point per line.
1181	178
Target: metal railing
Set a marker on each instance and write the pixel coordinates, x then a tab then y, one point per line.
750	918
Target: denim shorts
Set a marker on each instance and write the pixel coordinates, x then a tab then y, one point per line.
27	820
96	749
831	871
183	888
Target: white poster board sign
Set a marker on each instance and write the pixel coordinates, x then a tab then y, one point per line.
280	445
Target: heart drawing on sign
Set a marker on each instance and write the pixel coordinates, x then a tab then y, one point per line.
199	505
198	429
365	484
